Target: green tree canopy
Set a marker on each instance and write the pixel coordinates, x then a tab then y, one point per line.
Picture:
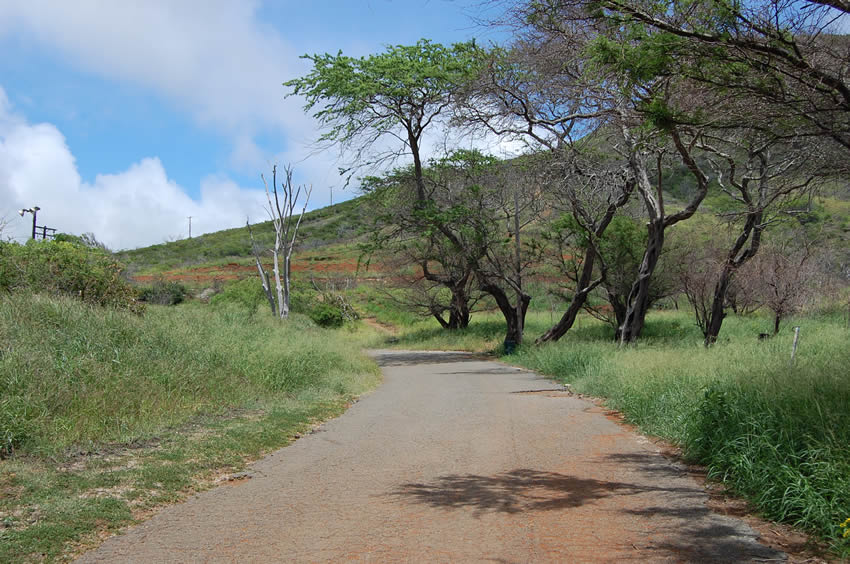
397	93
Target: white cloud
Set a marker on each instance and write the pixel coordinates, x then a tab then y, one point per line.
137	207
211	56
213	59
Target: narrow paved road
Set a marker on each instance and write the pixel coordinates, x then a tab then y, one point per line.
452	459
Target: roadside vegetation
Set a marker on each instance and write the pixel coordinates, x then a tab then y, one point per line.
772	430
107	411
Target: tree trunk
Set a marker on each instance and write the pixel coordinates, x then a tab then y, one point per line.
585	284
284	310
638	301
278	285
584	288
438	315
618	305
267	289
459	313
752	228
717	313
417	168
514	316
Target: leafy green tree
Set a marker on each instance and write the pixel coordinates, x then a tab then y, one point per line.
468	230
441	283
396	94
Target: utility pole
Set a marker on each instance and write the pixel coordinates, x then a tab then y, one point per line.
190	227
34	211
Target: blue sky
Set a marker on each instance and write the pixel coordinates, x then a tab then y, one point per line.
123	118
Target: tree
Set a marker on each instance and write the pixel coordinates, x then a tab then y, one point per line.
282	200
397	94
538	91
784	275
680	67
766	173
621	251
468	230
479	207
785	59
406	235
595	193
507	194
597	70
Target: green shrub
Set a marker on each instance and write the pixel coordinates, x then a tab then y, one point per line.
66	268
163	292
331	310
327	315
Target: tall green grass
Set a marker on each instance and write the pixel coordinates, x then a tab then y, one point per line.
774	431
71	373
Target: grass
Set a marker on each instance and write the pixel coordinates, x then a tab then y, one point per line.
107	414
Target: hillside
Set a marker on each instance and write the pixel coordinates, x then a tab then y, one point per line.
327	241
226	254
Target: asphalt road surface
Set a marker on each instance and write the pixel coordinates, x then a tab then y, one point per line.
452	459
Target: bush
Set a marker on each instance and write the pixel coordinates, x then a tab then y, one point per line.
327	315
331	310
163	292
66	268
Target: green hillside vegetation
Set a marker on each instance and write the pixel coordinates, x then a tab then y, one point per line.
320	228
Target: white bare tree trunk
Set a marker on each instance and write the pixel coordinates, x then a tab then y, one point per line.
282	205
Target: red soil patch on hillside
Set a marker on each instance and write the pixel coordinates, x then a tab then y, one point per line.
233	271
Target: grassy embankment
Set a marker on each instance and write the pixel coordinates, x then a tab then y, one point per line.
106	414
774	432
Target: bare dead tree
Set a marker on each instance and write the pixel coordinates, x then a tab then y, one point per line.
283	200
784	275
256	250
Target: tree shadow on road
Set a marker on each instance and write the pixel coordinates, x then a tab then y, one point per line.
407	358
690	533
516	491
